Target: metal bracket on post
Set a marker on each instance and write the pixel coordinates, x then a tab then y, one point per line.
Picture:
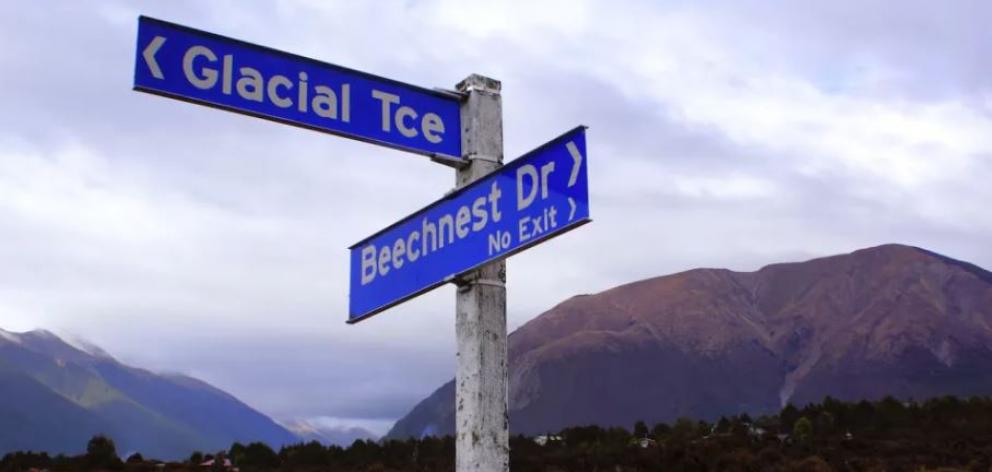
450	161
489	282
451	93
459	164
466	281
482	157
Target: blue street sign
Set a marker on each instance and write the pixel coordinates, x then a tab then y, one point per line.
180	62
537	196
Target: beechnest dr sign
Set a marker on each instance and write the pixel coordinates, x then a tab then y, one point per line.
205	68
539	195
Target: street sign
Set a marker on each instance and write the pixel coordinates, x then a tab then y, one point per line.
463	237
187	64
538	196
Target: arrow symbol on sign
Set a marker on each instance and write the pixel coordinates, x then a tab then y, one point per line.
149	55
576	165
571	213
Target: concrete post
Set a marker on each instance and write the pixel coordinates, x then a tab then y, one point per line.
481	419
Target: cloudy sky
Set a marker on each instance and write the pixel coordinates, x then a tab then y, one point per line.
722	134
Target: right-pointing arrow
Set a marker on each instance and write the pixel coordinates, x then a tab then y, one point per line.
571	213
149	55
577	157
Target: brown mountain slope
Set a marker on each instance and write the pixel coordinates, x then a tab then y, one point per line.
886	320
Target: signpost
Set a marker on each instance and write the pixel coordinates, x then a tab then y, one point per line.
494	211
534	198
187	64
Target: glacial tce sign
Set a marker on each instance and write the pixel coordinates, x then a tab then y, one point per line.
537	196
200	67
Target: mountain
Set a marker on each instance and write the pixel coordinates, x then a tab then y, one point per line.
889	320
56	396
329	435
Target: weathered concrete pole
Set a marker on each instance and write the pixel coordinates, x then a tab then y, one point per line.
481	420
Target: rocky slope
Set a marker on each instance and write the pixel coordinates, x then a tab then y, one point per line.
892	320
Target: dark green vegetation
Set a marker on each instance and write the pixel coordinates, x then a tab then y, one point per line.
56	396
945	434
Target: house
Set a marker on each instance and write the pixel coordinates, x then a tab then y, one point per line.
645	443
545	439
756	431
227	464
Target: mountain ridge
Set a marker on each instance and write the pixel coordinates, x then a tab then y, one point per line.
705	342
165	416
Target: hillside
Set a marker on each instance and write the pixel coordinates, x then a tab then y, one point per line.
57	396
892	319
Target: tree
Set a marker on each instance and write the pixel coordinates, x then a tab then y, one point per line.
825	422
196	458
864	415
660	431
258	456
803	430
723	426
310	454
788	416
684	428
219	461
28	460
101	452
640	430
889	413
739	427
135	458
236	452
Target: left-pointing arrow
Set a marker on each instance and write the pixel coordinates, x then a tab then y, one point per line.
149	55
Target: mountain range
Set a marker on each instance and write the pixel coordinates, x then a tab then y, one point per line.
889	320
55	396
339	435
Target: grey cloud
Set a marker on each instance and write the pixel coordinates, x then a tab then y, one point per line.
240	275
934	49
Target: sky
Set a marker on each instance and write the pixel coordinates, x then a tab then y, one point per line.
731	134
